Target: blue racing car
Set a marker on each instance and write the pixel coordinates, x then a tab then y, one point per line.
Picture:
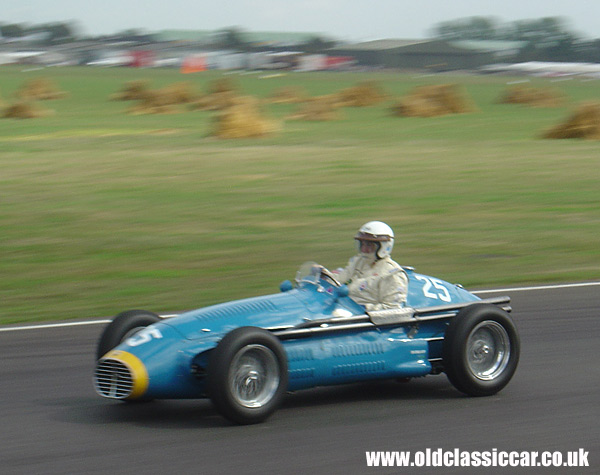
246	354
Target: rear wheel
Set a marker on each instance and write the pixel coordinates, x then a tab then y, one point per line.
247	375
124	325
481	350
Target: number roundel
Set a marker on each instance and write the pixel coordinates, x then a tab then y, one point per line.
434	289
143	336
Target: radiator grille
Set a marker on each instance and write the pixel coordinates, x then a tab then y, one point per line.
113	379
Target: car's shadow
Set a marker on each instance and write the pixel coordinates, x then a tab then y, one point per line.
347	399
375	391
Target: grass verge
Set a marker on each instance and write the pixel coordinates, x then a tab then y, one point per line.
103	211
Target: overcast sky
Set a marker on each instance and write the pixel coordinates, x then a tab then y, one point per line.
340	19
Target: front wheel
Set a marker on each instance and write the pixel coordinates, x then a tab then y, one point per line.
247	375
123	326
481	350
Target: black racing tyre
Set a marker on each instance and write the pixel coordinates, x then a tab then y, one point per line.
247	375
481	350
122	327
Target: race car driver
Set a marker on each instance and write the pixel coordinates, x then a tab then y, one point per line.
373	278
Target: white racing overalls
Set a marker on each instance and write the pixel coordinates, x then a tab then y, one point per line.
378	285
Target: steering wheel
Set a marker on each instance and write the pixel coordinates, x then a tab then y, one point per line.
329	277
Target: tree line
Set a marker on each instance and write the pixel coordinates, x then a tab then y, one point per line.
543	39
58	33
46	34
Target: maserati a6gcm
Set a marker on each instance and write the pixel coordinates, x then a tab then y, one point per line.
245	355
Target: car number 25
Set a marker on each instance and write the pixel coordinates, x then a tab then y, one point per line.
434	289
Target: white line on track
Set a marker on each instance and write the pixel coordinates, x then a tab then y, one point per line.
539	287
490	291
66	324
53	325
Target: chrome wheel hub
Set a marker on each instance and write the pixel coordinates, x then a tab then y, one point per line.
254	376
488	350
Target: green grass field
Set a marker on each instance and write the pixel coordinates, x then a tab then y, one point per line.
101	211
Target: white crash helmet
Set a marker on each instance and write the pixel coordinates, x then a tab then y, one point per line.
379	232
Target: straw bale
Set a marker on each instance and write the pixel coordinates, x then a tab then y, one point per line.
221	85
288	95
158	101
432	101
531	96
242	119
583	123
153	102
214	101
41	89
222	93
320	108
416	106
25	110
362	95
132	91
178	93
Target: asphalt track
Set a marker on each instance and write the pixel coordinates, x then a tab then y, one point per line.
52	422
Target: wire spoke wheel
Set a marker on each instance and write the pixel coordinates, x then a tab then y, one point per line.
481	350
488	350
254	376
247	375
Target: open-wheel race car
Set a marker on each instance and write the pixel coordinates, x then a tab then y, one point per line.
245	355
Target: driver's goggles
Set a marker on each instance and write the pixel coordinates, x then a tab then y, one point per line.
368	246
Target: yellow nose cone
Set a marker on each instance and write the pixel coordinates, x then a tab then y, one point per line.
139	375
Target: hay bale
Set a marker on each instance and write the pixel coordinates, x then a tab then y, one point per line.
455	101
132	91
583	123
362	95
40	89
153	102
531	96
242	120
433	101
25	110
221	85
221	95
320	108
179	93
288	95
416	106
159	101
214	102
